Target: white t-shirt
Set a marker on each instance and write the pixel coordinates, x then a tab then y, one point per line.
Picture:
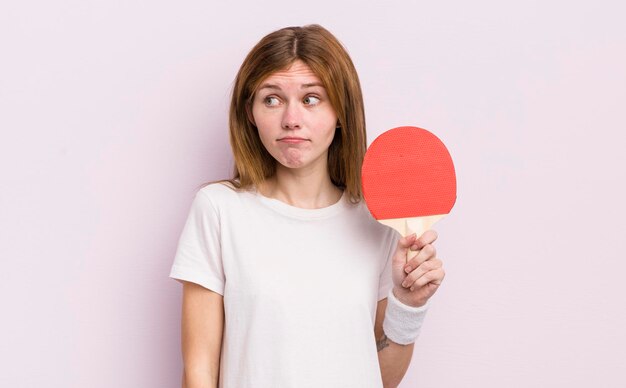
300	287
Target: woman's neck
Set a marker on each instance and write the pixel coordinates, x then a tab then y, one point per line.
307	189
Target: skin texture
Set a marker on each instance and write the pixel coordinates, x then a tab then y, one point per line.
202	324
416	281
293	103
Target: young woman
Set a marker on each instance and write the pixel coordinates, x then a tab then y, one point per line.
288	279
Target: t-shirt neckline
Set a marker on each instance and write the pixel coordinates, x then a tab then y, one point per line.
302	213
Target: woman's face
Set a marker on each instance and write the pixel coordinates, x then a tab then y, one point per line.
294	117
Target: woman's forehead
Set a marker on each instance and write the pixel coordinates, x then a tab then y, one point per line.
298	71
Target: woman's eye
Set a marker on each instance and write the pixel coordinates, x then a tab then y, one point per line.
311	100
270	101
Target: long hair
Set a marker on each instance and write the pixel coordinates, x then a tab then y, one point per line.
328	59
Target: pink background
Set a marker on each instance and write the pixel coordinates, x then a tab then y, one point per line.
112	113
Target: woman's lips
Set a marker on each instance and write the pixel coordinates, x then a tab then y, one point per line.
292	140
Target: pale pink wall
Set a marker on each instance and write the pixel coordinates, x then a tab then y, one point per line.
112	113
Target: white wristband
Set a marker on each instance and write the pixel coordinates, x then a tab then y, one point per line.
402	323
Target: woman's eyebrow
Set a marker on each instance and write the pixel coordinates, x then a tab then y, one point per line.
303	86
311	85
269	86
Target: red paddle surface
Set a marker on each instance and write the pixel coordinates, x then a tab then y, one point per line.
408	172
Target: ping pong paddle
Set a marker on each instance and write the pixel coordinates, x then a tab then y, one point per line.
408	180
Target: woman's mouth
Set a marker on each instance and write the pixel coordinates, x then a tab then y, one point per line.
291	139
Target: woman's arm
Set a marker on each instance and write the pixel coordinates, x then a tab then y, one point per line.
201	329
413	285
394	359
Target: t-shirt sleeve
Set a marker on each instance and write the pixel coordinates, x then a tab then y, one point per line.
198	256
385	282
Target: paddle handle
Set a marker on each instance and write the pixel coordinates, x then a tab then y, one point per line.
417	225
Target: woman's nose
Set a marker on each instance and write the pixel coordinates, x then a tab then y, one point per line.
292	116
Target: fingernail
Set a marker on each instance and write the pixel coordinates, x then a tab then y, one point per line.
412	288
407	269
404	284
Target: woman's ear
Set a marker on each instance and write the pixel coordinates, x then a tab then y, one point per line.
249	113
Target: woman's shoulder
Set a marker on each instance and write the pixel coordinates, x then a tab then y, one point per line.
221	193
217	187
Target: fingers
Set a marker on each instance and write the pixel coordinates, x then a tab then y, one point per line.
403	247
427	252
407	241
435	277
425	267
429	271
428	237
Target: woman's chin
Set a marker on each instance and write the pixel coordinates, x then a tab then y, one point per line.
292	160
292	164
299	160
